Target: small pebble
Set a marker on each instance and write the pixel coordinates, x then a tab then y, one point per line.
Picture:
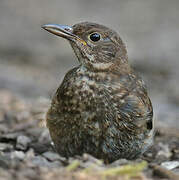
3	129
90	158
164	150
30	154
22	142
119	162
170	164
18	155
5	147
4	162
51	156
42	162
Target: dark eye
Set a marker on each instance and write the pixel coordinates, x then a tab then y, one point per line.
95	37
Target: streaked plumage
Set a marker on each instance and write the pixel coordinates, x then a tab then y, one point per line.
101	107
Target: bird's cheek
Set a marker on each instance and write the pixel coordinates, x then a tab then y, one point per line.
88	54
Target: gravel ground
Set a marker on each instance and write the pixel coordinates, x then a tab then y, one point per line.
26	151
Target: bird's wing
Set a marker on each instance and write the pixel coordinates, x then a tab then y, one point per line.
132	105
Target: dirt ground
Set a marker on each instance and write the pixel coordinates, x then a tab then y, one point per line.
33	63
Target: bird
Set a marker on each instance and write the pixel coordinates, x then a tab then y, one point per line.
102	107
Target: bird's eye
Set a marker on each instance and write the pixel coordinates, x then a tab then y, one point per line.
95	37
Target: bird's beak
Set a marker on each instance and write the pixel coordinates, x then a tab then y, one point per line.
62	31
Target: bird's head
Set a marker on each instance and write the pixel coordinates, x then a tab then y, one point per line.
96	46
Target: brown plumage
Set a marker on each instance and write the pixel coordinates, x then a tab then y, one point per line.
101	107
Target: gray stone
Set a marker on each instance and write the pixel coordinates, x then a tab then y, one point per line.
164	150
3	129
90	158
119	162
4	161
170	164
42	162
5	146
18	155
52	156
22	142
30	154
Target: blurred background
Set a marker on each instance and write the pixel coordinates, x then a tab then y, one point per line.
34	62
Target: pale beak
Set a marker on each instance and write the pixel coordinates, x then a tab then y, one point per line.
63	31
59	30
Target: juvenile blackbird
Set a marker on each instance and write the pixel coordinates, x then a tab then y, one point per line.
101	107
